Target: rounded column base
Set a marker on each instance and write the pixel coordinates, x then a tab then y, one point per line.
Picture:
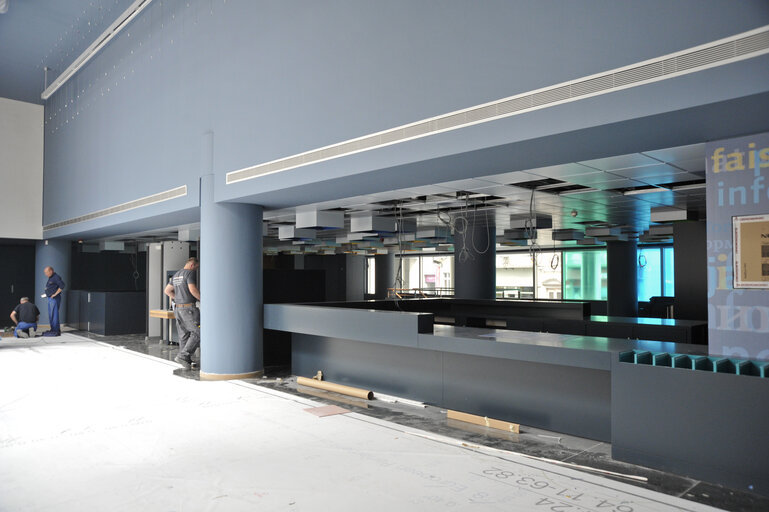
231	376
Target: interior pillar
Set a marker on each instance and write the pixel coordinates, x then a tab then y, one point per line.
622	279
231	316
475	257
384	272
691	274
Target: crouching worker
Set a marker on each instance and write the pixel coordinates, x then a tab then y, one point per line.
183	290
25	316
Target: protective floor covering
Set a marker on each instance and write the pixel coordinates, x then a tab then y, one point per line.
88	426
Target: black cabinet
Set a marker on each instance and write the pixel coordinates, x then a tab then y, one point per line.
107	313
17	278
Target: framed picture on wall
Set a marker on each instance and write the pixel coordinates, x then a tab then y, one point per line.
750	246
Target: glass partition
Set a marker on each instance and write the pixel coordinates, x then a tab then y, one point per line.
668	287
584	275
649	272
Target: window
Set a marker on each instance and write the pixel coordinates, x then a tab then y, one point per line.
649	271
515	276
668	286
431	273
410	271
437	271
655	273
370	275
548	276
584	275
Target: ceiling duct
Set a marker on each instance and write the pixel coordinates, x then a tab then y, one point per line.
661	231
602	232
359	223
111	245
290	232
526	221
320	219
433	234
613	238
395	240
657	234
406	225
189	235
671	213
514	242
567	234
518	234
364	235
607	234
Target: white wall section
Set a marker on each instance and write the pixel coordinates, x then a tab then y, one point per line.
21	169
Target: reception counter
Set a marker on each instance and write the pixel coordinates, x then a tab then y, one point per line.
596	387
559	382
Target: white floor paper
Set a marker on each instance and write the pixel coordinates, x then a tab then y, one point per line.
85	426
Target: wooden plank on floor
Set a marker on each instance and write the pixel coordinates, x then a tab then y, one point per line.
484	421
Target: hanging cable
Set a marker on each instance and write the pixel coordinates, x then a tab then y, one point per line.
488	231
398	282
555	260
530	229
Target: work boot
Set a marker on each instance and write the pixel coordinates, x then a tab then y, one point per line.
32	332
184	362
23	334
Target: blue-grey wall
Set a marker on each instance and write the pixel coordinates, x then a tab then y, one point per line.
264	80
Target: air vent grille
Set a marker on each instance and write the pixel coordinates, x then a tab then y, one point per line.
750	44
639	74
144	201
592	85
739	47
705	56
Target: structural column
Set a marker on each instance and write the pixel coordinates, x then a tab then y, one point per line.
475	257
691	273
56	254
622	279
384	274
231	304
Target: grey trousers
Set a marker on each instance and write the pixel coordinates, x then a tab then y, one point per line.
188	325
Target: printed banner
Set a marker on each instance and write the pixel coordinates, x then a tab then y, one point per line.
737	209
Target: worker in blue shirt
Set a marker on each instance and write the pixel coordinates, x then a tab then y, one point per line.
53	290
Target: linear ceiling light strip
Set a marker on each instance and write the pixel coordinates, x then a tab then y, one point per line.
137	203
114	29
716	53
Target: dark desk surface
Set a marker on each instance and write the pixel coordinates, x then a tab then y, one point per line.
646	321
542	347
